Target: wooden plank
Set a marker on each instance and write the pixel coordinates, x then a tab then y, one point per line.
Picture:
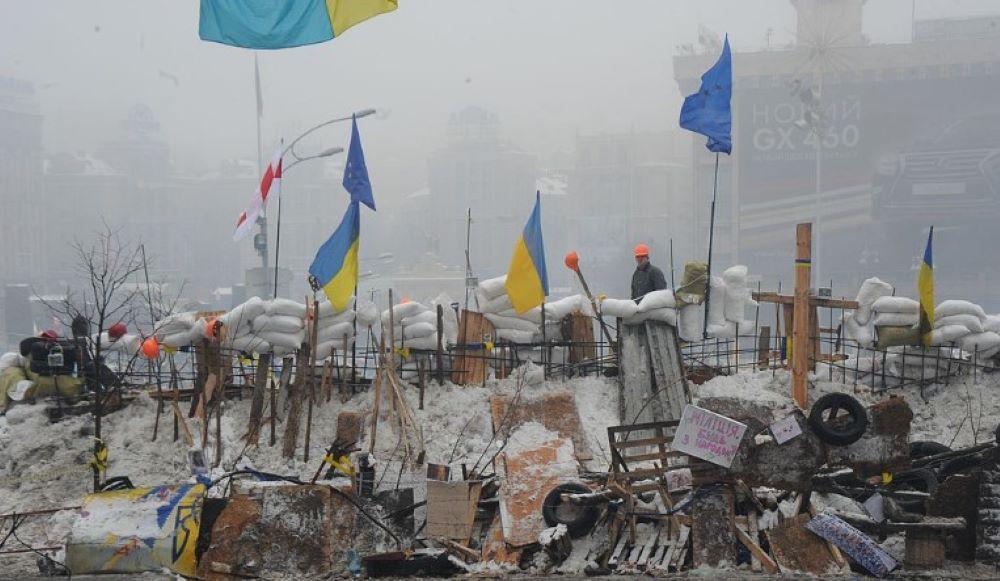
470	365
635	375
579	330
643	442
670	388
764	347
257	401
795	548
681	548
824	302
451	509
758	553
800	319
712	531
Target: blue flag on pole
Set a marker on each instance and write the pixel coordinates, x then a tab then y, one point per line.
708	111
356	173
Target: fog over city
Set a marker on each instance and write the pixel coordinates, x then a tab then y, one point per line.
116	113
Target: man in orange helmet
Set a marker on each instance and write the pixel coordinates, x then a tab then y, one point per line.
646	278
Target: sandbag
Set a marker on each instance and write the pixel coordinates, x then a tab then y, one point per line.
178	323
665	315
690	321
990	323
692	289
979	342
335	332
496	305
179	339
890	336
428	343
558	310
717	302
735	276
285	307
289	341
491	288
971	322
953	307
737	301
725	330
500	322
326	308
948	334
515	335
401	311
367	313
125	344
896	319
871	290
238	320
623	308
8	360
277	324
534	315
345	316
428	316
657	299
414	331
896	305
248	344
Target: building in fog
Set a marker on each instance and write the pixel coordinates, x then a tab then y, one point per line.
628	188
909	135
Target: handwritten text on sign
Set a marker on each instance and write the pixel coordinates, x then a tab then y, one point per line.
708	435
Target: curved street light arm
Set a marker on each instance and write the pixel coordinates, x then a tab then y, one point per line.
358	114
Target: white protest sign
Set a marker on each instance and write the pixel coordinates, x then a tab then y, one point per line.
708	435
785	429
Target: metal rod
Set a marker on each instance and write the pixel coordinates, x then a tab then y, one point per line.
711	239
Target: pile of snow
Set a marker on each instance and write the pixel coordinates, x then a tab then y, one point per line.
729	299
495	304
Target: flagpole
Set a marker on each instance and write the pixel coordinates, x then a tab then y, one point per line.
277	247
711	238
260	162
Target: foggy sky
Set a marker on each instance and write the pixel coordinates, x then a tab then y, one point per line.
549	69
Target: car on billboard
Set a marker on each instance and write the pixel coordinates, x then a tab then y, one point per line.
952	177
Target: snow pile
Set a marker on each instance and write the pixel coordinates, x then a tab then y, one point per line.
729	299
496	306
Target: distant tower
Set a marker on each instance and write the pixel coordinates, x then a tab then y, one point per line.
829	22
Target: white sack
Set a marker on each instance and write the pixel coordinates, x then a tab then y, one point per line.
735	276
179	339
289	341
326	308
428	343
285	307
178	323
428	316
500	322
717	303
367	313
953	307
896	305
665	315
534	315
515	336
657	299
8	360
414	331
248	343
401	311
948	334
558	310
335	332
690	320
277	324
727	330
979	342
623	308
345	316
871	290
496	305
238	320
991	323
491	288
971	322
896	319
737	301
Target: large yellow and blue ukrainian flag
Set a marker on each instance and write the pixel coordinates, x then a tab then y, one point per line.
335	268
273	24
527	280
925	287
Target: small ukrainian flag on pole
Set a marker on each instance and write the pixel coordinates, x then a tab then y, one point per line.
335	268
925	287
527	280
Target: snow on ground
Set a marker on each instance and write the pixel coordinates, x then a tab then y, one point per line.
43	465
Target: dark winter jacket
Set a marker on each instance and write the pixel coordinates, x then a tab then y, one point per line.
647	278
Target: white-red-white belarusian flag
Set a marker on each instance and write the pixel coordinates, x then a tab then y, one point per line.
270	186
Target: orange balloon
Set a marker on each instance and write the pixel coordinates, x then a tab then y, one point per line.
151	348
572	260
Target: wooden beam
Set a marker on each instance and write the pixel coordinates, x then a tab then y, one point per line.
825	302
765	560
801	340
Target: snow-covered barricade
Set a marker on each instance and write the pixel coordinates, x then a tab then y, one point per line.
414	324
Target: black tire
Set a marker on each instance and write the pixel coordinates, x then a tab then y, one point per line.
918	479
926	449
838	434
959	464
579	520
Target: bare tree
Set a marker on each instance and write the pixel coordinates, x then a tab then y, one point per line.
106	268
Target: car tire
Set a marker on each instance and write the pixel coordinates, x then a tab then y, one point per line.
926	449
579	520
838	435
918	479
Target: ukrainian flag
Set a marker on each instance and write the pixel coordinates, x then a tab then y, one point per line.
527	281
272	24
925	287
335	268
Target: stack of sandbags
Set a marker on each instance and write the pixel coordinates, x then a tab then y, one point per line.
175	330
414	325
281	325
860	323
739	298
896	312
965	324
659	305
333	325
237	327
525	327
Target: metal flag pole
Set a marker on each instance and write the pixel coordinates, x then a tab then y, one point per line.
711	239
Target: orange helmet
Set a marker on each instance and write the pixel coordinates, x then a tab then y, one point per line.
641	250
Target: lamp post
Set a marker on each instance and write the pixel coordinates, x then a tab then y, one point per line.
297	159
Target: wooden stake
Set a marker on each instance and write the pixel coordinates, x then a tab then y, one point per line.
257	402
179	416
439	359
801	341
